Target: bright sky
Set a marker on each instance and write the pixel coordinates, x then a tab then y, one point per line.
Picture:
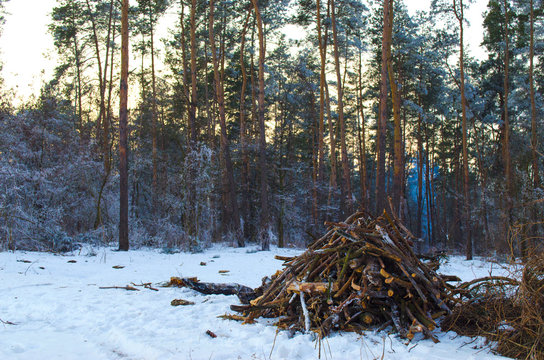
26	47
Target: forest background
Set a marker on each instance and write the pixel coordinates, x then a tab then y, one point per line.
242	135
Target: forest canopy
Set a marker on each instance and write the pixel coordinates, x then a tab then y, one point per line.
237	134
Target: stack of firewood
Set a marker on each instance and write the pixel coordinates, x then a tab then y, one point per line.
362	274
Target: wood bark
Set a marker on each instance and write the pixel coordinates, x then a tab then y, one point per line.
428	189
398	166
102	124
185	81
362	139
345	188
193	102
332	137
243	132
506	139
262	136
322	79
315	162
231	203
153	110
420	156
103	109
109	113
123	142
382	115
534	132
458	9
78	75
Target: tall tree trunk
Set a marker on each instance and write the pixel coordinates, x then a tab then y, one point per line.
315	162
382	116
99	122
79	93
428	190
109	113
262	137
398	166
102	126
231	203
459	13
345	187
333	185
322	79
431	189
123	141
254	87
103	110
419	175
534	133
77	56
186	91
193	103
361	132
243	132
483	189
506	144
153	111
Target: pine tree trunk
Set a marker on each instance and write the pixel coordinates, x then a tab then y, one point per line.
459	13
382	116
419	176
333	184
534	133
361	133
123	142
262	137
345	186
79	93
193	101
231	203
398	166
186	91
153	112
506	139
315	162
322	79
243	133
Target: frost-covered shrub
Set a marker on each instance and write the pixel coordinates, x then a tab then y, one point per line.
198	196
47	182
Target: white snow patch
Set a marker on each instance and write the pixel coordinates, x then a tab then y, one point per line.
60	312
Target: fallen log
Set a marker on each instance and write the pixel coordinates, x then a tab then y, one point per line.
244	293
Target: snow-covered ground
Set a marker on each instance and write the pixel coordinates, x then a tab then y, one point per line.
60	313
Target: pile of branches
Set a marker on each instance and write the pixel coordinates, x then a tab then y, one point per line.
507	311
362	274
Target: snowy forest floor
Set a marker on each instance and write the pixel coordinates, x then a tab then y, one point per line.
59	311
